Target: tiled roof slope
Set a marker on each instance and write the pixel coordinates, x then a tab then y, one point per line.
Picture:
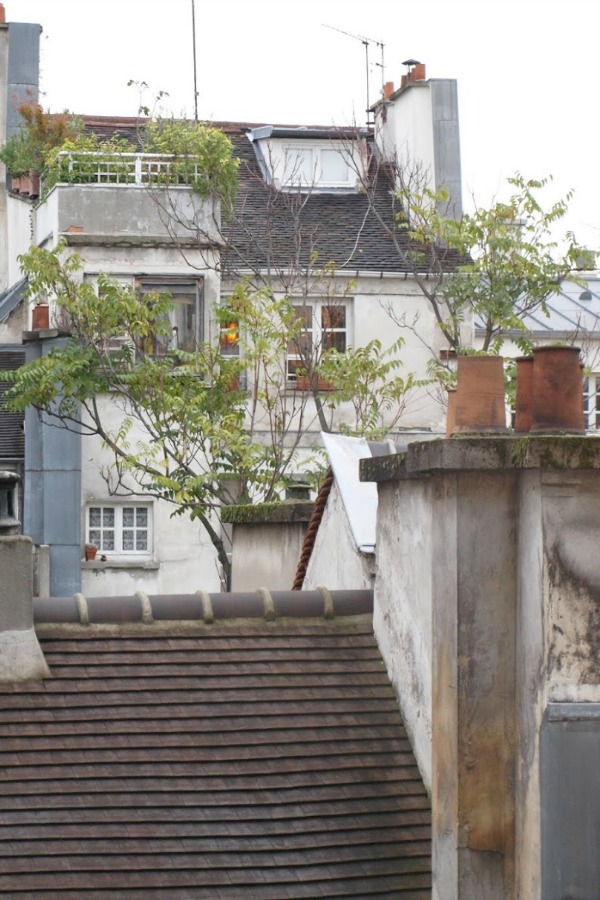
244	759
284	229
281	230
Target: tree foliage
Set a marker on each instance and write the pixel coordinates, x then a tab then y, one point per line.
495	265
40	133
190	423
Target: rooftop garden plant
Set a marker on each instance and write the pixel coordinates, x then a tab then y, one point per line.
41	132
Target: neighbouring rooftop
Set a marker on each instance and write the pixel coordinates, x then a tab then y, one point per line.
256	756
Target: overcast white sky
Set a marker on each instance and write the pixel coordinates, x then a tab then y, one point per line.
527	71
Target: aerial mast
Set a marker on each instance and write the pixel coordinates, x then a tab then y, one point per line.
195	67
365	41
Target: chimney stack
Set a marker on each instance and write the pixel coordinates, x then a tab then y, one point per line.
21	657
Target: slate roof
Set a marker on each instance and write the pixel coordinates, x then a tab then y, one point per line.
573	312
284	229
271	229
240	759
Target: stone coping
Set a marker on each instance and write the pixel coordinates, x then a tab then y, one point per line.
486	453
268	513
201	607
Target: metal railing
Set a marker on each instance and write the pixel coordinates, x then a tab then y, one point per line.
87	167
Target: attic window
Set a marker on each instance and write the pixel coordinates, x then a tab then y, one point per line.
316	167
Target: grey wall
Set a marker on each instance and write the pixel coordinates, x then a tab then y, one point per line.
446	140
23	70
52	513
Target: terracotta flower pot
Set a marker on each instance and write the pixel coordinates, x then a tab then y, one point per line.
480	404
90	553
524	394
450	411
557	401
40	317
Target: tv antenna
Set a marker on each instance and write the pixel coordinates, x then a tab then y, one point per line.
366	42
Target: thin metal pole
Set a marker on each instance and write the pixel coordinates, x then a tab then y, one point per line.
366	43
195	71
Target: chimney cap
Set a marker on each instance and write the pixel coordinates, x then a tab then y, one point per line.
411	62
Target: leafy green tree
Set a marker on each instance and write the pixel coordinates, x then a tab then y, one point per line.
495	265
191	422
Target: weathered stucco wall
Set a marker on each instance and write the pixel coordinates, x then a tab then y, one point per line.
336	562
402	609
121	211
182	557
515	632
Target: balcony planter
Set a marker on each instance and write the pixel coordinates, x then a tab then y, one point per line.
40	317
557	401
30	184
480	403
305	383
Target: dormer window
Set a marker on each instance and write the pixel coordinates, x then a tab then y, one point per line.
318	167
319	160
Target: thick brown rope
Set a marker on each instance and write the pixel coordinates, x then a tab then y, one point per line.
311	532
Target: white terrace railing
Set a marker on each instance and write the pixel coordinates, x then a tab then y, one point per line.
79	167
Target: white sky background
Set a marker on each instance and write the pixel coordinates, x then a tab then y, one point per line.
527	71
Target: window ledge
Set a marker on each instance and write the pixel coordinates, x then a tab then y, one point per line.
148	565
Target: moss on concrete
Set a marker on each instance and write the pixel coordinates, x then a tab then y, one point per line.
267	513
487	452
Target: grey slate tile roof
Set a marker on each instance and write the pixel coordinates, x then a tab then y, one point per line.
244	759
276	228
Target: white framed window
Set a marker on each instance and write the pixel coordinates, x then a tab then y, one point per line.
317	166
325	325
120	529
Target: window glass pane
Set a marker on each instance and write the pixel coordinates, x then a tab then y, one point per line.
108	519
334	166
141	541
128	514
128	540
333	317
141	517
108	540
335	340
299	165
95	537
95	516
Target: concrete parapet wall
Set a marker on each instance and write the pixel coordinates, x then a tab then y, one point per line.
487	555
21	658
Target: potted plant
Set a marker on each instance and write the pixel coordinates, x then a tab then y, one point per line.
26	152
90	551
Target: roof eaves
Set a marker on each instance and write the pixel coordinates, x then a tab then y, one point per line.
11	298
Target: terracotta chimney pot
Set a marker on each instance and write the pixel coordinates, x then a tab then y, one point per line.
388	90
418	72
2	14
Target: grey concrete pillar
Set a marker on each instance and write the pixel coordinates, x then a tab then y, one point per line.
21	657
